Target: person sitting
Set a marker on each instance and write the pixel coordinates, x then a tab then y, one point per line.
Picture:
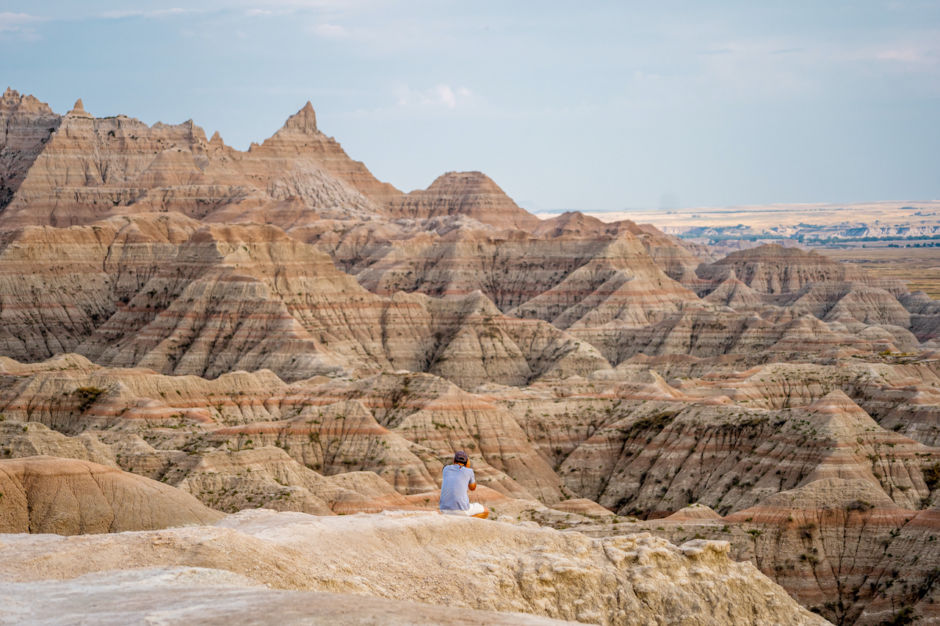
457	480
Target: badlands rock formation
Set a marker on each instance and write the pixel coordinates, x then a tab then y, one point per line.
277	328
464	193
44	494
425	557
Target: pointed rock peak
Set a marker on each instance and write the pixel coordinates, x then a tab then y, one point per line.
839	417
572	223
835	401
476	180
304	120
694	511
13	100
78	110
477	303
10	99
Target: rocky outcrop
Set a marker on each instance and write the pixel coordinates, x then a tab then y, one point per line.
129	597
88	168
774	269
44	494
26	124
731	459
25	439
400	427
619	580
74	169
300	138
472	194
162	293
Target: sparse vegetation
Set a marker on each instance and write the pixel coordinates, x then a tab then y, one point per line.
87	396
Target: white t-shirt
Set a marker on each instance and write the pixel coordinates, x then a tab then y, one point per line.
456	479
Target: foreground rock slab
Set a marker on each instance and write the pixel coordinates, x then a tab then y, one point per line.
426	557
191	595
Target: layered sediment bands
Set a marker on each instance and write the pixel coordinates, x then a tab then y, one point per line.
901	397
673	255
25	126
472	194
267	477
338	438
840	547
440	417
88	168
735	294
705	333
58	285
510	268
301	138
834	301
43	494
662	457
925	315
161	293
828	542
620	286
618	580
401	427
276	328
543	276
74	169
773	270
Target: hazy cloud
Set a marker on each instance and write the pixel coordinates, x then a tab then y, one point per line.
153	14
441	95
908	54
330	31
18	23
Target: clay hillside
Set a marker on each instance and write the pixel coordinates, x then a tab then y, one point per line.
189	332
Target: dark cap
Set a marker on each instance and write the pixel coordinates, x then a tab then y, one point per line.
461	457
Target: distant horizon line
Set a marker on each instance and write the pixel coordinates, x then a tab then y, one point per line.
934	203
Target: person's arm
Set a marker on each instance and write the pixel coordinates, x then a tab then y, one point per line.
473	479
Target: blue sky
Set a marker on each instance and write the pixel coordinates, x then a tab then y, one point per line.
590	105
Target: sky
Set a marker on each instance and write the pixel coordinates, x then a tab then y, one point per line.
595	106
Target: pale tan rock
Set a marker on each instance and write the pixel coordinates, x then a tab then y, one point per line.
25	439
622	580
118	598
44	494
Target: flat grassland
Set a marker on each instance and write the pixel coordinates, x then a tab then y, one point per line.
766	216
919	267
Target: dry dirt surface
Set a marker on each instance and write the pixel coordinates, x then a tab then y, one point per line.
415	557
211	597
